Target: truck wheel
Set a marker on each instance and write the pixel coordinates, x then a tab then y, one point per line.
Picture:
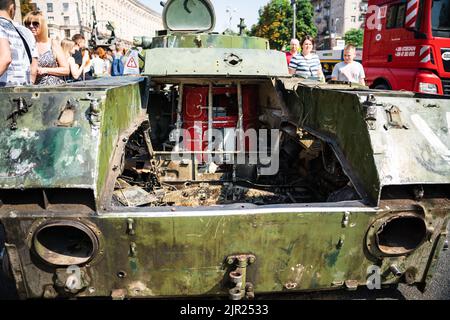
382	86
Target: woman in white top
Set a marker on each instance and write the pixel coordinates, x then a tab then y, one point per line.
99	64
68	47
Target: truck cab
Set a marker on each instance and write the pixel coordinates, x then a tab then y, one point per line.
407	45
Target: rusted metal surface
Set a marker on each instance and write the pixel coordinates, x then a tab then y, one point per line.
41	153
173	247
389	157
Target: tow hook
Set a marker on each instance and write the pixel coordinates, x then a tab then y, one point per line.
72	280
242	289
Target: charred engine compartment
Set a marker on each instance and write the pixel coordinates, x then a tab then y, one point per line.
222	143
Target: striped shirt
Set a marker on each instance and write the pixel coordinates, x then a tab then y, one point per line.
306	68
19	71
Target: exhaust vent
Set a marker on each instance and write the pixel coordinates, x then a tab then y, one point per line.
65	243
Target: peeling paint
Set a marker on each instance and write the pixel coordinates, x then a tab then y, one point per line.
23	168
15	154
332	258
298	270
139	288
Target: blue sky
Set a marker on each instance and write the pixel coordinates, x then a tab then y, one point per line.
247	9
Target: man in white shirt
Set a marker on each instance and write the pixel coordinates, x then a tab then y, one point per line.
349	70
18	56
31	41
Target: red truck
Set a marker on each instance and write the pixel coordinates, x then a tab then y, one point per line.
407	45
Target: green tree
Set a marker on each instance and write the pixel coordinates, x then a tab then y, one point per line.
276	21
305	19
25	7
355	37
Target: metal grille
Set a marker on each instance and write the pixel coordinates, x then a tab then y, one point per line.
446	85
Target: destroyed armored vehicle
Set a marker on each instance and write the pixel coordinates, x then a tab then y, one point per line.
218	174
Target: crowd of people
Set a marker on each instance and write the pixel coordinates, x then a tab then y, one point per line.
28	56
304	63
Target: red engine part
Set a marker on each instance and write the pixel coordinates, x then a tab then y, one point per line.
225	112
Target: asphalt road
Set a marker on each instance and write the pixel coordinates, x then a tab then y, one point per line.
438	289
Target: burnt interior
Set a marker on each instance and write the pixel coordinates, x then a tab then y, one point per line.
232	168
416	192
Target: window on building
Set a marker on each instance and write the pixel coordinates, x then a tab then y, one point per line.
65	6
363	7
67	33
353	19
66	20
51	19
49	7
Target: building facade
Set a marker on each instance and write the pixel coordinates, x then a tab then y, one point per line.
129	17
18	17
335	17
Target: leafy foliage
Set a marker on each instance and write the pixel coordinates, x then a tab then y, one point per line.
355	37
276	21
25	7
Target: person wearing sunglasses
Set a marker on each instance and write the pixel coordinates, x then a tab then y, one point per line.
18	54
52	63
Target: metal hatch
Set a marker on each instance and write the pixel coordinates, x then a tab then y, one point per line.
189	16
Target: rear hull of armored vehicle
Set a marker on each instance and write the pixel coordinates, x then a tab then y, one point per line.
57	245
185	254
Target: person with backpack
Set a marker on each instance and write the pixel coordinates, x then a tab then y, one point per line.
117	66
18	54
